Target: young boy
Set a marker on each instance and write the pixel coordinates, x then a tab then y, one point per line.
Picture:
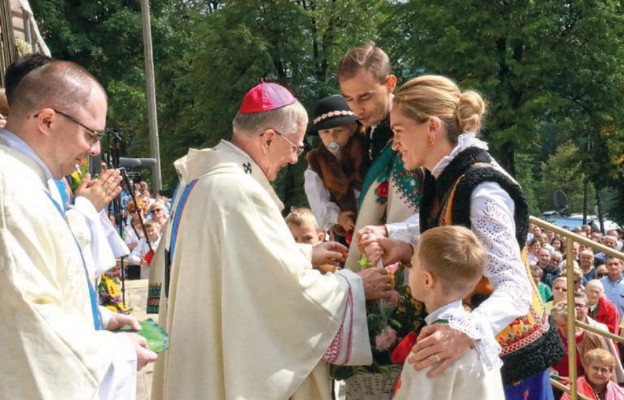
446	266
141	254
304	229
337	167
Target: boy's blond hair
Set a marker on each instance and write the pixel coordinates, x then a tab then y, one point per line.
598	355
299	215
454	255
149	223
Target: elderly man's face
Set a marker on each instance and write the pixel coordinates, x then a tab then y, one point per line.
543	257
609	241
283	150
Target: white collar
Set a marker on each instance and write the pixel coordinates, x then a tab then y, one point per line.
441	312
465	140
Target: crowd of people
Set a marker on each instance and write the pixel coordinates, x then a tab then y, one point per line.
259	306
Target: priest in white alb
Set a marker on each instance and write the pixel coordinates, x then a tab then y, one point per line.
248	317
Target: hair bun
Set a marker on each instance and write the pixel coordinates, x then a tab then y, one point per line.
470	111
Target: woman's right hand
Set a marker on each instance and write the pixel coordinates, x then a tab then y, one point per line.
389	251
368	235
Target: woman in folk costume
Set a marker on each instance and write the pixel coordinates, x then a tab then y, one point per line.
435	125
337	167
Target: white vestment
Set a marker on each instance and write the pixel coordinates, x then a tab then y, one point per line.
47	336
248	317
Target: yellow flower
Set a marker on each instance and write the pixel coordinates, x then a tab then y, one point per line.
112	288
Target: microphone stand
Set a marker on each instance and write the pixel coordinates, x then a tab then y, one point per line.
119	213
113	161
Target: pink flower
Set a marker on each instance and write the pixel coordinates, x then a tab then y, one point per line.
385	339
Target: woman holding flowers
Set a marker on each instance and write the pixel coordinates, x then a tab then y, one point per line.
435	126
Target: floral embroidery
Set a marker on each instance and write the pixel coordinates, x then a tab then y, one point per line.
382	192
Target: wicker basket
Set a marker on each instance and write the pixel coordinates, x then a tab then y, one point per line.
372	386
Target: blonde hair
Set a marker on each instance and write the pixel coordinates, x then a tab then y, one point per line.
454	255
298	216
598	355
150	223
559	311
437	96
365	56
587	252
538	269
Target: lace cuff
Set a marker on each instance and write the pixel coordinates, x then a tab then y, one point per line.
479	329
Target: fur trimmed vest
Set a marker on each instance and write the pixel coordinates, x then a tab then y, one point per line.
530	344
340	177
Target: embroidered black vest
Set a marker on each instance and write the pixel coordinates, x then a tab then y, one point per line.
530	344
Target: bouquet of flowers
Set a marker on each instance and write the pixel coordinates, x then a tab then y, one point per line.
389	321
110	294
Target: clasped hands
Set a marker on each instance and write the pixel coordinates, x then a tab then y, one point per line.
373	241
100	191
438	345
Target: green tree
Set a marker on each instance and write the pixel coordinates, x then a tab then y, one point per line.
234	45
564	171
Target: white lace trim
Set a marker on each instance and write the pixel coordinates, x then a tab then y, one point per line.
465	140
478	329
491	217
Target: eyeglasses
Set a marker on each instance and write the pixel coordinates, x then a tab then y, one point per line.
299	148
577	305
96	136
601	275
157	210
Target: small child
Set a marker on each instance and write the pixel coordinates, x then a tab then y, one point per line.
337	167
597	383
544	290
141	254
446	266
304	229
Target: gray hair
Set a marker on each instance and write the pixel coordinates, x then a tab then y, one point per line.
286	120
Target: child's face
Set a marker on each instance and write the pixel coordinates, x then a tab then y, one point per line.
306	233
417	278
339	134
598	373
152	232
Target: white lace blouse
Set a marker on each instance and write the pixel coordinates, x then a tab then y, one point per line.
491	217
